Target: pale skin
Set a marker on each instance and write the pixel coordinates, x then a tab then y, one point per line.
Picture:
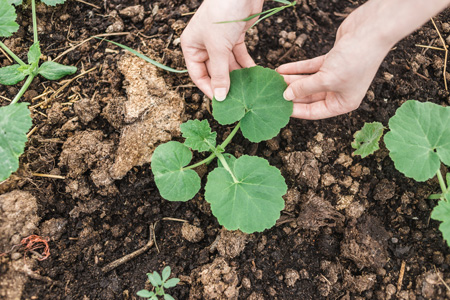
322	87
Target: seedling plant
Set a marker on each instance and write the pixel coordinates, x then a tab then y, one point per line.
245	193
418	143
15	118
159	283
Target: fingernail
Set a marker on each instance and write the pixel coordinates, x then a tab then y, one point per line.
288	94
220	94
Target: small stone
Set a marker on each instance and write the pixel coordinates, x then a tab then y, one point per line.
246	283
16	256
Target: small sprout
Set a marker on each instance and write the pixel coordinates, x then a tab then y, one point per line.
159	283
367	139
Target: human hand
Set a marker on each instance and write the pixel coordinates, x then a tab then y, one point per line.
212	50
336	83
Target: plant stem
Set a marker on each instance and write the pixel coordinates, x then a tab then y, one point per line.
23	89
15	57
226	166
33	15
213	155
441	182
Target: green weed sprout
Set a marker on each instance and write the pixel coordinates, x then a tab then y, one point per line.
159	283
245	193
15	118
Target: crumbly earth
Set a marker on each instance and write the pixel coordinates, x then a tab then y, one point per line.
352	228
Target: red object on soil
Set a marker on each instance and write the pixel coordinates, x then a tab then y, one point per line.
34	242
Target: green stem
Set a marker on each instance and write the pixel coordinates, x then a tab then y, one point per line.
23	89
441	182
33	14
213	154
15	57
230	137
226	166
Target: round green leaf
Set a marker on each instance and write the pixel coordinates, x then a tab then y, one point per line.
145	294
53	2
15	121
8	16
254	202
11	75
165	273
168	297
174	183
442	213
256	97
418	139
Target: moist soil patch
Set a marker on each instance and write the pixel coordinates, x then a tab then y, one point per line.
352	228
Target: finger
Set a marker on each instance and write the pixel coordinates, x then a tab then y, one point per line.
233	64
199	74
326	108
242	57
309	85
291	78
219	72
311	98
302	67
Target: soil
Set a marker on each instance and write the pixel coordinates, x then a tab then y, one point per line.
352	228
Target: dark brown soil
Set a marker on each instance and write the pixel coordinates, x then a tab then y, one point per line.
352	228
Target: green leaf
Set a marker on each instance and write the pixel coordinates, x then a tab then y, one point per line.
229	158
254	202
11	75
34	54
8	17
367	139
442	213
15	121
168	297
145	294
418	139
147	59
15	2
165	273
53	2
157	278
152	279
171	283
54	71
447	176
174	183
198	135
256	97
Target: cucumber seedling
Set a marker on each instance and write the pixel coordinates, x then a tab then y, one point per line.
245	193
15	119
159	283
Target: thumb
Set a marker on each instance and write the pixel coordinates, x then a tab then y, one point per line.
220	73
306	86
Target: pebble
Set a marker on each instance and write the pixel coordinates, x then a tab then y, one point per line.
16	256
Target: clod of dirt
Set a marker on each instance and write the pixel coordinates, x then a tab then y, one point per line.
302	166
329	280
18	219
291	199
321	147
230	243
55	114
256	296
290	277
136	13
88	208
215	281
366	243
85	151
192	233
53	228
113	112
117	25
344	160
152	111
86	110
359	284
316	212
430	286
384	190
